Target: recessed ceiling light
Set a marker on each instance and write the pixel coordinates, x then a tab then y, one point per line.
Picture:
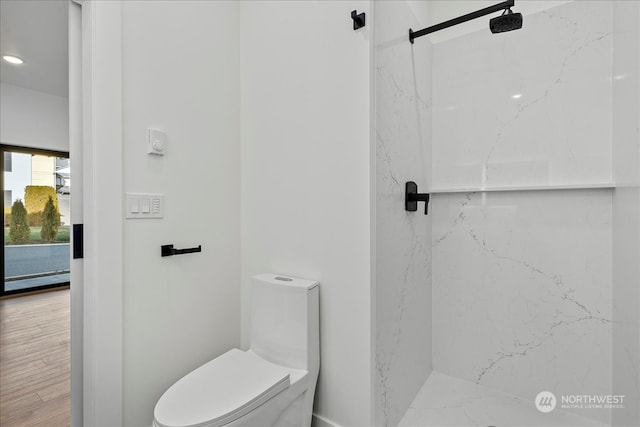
516	96
12	59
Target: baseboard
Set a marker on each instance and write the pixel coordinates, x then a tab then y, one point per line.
318	421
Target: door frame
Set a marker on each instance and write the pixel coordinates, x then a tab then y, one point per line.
95	105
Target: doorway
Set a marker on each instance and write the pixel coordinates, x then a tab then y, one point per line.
35	138
36	185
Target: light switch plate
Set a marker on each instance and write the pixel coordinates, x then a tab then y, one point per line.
144	206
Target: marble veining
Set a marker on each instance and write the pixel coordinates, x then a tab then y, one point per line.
402	239
522	291
510	292
532	107
525	106
522	281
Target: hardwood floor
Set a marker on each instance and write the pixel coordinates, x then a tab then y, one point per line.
35	387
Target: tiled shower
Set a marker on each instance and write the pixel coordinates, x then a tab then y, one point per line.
523	276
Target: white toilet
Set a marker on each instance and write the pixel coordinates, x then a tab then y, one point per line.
271	384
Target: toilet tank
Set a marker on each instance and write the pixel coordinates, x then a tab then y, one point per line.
285	321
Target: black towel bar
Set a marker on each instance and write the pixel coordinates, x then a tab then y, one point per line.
169	250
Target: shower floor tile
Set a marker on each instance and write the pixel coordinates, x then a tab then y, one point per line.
446	401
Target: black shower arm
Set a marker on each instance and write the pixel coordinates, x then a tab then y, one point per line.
460	19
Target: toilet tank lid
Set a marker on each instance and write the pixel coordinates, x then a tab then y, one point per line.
280	279
221	391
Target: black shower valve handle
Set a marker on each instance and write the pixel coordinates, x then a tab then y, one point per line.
412	197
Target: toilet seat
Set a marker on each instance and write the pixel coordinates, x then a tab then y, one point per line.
221	391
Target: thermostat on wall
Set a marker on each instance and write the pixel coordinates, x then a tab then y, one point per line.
156	142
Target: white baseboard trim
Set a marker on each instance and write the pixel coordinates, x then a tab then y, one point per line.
319	421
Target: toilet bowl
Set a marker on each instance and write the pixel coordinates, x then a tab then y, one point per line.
271	384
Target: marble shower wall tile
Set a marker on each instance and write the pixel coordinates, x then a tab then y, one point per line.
522	291
529	107
446	401
626	211
402	239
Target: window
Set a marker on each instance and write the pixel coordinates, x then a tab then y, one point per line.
36	248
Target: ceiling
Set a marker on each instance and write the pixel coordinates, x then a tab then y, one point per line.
36	31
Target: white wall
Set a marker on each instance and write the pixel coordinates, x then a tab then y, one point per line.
33	119
19	177
180	75
305	94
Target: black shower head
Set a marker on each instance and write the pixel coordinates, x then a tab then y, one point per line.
508	21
